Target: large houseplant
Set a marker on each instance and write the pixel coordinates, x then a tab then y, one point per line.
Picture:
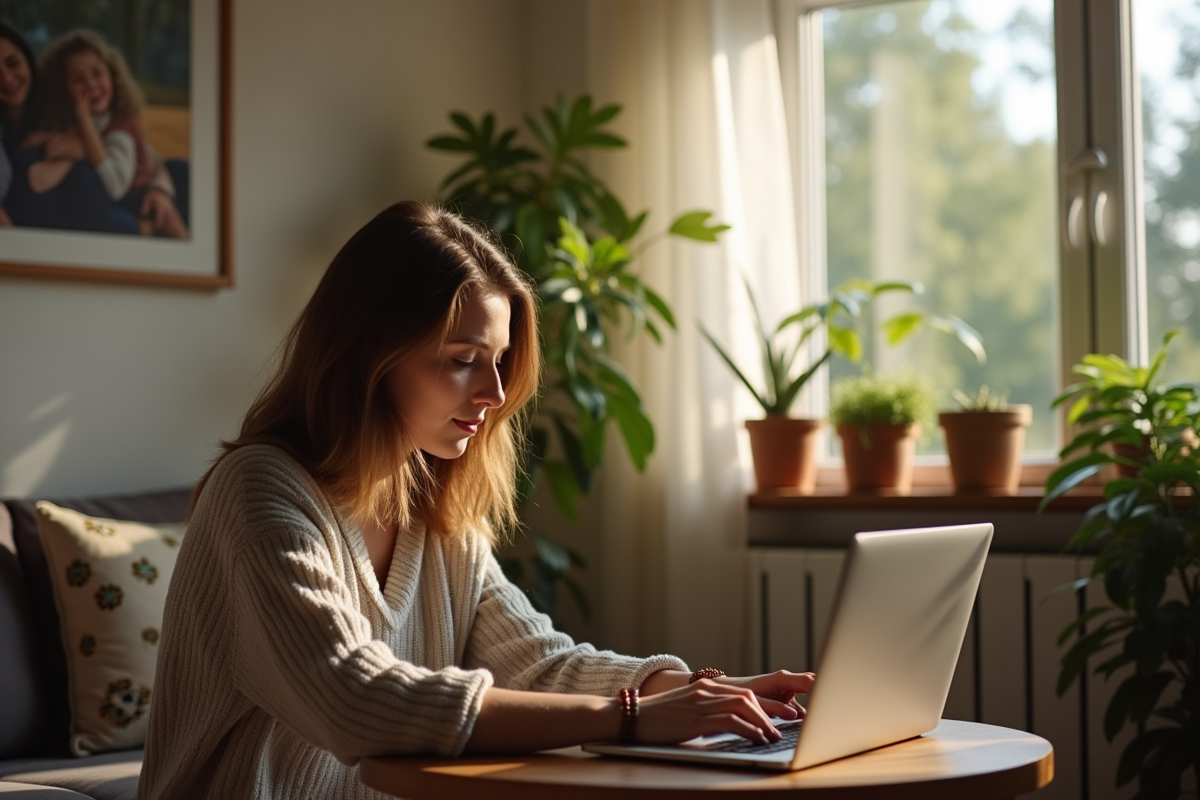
1148	532
782	446
572	236
984	440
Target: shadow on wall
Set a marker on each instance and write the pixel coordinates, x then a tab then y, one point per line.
49	427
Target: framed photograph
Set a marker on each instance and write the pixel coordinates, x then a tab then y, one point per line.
115	163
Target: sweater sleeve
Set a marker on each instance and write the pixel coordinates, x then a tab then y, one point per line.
116	172
305	653
521	649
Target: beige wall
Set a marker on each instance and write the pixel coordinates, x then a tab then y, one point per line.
107	389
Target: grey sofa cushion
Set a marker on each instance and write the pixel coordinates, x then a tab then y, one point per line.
44	729
10	790
108	776
23	725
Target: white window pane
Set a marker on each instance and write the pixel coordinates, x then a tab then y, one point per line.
1167	53
940	134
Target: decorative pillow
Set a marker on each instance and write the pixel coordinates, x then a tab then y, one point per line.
110	584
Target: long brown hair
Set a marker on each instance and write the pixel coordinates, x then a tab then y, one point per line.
58	109
399	283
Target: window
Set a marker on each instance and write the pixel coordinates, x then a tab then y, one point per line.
991	150
1166	51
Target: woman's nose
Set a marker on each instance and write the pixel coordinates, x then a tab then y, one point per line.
491	390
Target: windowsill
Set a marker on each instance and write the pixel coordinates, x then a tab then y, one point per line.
926	498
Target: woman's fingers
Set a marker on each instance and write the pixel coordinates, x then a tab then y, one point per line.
779	709
701	709
741	703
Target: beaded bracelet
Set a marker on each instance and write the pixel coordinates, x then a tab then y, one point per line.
707	672
629	712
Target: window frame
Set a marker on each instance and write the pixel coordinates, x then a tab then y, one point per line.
1102	284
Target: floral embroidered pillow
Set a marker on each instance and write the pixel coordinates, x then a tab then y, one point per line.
110	584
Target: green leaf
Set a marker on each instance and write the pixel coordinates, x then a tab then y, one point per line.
451	144
1137	751
636	430
573	451
694	225
1146	695
563	488
1082	620
960	330
1070	475
659	305
902	326
1118	707
845	342
552	554
762	399
1075	660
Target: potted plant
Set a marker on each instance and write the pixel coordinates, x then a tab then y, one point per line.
879	419
984	441
576	241
784	447
1148	531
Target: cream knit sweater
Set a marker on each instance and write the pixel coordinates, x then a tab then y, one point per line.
282	663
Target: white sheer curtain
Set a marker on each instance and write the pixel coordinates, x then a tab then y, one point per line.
700	84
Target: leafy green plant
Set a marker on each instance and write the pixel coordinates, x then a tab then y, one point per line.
839	317
1148	530
982	399
900	399
574	238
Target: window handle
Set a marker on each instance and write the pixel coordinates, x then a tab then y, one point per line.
1089	159
1074	218
1099	203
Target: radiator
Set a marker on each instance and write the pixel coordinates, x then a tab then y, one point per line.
1009	662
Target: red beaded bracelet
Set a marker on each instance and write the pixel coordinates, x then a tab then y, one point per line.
707	672
629	711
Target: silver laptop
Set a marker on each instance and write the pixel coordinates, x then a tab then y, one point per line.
898	622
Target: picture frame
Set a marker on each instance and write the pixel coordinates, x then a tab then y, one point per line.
203	260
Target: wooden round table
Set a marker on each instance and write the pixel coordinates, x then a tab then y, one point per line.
956	760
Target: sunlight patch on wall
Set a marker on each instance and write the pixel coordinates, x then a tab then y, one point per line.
28	468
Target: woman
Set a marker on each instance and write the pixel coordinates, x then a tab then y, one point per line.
336	596
18	76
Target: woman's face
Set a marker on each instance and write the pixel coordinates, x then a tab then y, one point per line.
444	393
15	77
89	80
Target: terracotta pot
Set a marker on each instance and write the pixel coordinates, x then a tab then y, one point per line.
882	460
1133	453
785	452
985	448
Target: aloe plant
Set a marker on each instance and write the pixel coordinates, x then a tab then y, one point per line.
839	317
982	399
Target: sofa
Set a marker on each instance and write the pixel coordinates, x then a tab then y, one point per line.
34	708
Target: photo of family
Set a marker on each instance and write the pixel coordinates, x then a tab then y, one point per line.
95	116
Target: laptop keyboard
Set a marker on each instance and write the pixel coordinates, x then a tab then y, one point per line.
790	735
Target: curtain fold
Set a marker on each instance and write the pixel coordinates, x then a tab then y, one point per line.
703	110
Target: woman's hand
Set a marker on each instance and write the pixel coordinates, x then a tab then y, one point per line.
159	208
705	708
776	691
64	147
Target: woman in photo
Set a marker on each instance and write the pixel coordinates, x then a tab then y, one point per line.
90	138
336	594
18	77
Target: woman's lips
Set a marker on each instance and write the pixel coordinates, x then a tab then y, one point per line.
470	426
